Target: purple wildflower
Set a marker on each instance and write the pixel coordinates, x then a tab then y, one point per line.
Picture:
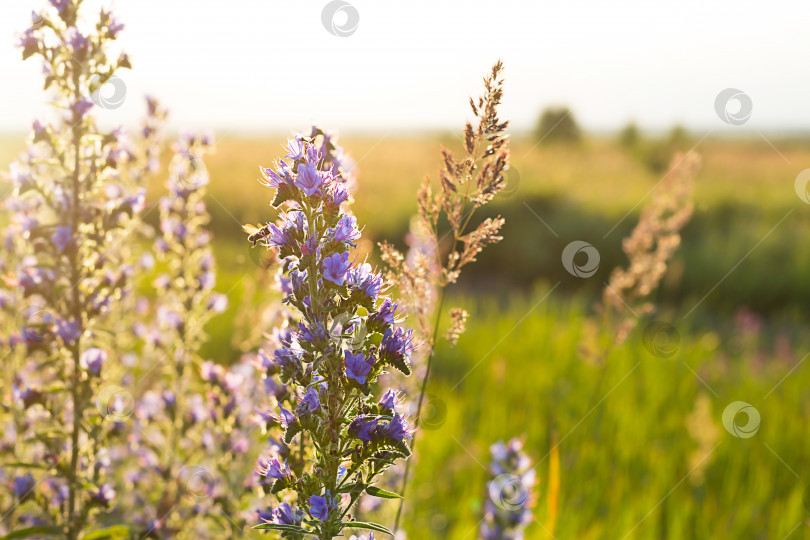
319	507
68	330
92	359
81	107
63	237
390	399
346	229
357	367
281	515
397	343
398	428
104	495
339	195
28	43
272	178
273	468
385	313
23	485
335	267
277	238
310	247
295	149
77	41
60	5
217	303
362	427
314	333
310	402
309	179
285	417
362	278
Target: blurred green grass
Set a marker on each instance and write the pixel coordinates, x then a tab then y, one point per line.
622	428
592	192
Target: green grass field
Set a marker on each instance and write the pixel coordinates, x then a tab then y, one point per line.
636	460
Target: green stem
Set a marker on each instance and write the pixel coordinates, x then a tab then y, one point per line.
73	524
433	339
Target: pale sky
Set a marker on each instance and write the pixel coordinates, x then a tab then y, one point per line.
268	65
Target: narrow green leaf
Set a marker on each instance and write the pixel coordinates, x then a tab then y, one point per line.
25	465
110	533
374	491
285	528
30	531
367	525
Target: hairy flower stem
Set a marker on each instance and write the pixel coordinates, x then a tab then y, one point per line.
433	339
73	525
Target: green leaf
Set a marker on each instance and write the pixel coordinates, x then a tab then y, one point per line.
292	430
110	533
285	528
25	465
30	531
366	525
352	488
374	491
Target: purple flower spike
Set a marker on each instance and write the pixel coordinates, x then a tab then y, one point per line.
335	268
357	367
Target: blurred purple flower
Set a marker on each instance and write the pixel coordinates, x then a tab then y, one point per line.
93	359
63	237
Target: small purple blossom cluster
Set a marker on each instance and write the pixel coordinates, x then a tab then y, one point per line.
510	496
337	439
